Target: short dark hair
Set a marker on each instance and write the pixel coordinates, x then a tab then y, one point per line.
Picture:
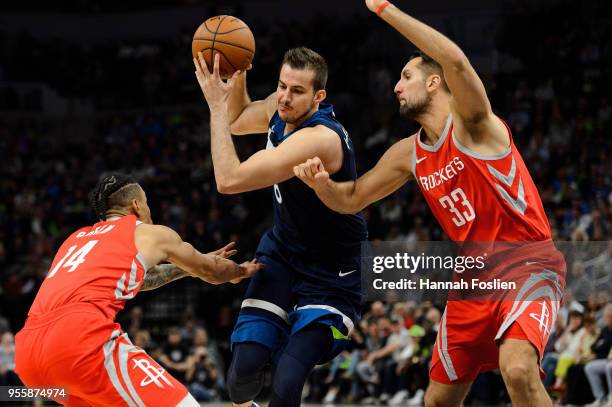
115	190
429	66
305	58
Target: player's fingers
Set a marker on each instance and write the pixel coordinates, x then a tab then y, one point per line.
300	171
229	246
229	253
216	67
306	169
321	176
232	80
318	162
203	66
314	166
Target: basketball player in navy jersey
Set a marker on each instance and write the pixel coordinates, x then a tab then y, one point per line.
300	309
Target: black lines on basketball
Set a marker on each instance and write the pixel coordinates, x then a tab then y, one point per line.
225	43
224	57
212	56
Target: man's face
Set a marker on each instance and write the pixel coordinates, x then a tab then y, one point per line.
411	90
295	94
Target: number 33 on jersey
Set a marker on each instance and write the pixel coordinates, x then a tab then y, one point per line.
476	197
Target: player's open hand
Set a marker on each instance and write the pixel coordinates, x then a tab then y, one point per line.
226	251
312	173
246	270
215	90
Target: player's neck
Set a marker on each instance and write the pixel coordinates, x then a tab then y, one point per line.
114	215
433	123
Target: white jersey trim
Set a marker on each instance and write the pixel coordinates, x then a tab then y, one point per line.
473	154
440	141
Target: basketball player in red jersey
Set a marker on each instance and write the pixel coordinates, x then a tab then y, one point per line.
70	338
478	187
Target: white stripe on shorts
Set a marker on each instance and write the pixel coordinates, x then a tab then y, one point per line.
265	305
447	362
111	369
124	351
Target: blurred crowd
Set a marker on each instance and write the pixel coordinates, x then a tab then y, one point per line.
151	121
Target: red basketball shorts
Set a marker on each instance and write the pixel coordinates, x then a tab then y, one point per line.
470	332
93	360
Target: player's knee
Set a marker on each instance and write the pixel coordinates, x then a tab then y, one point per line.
517	374
245	386
436	396
246	373
432	399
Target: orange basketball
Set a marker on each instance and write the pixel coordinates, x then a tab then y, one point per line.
231	38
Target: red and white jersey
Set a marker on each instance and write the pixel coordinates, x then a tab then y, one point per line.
479	198
97	265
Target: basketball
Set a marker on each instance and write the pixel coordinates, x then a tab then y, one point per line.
231	38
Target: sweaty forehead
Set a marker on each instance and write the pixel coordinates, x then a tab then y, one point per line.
296	77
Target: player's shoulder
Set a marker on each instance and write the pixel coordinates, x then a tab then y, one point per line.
159	233
406	144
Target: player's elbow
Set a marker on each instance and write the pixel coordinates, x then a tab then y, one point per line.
457	60
236	129
227	186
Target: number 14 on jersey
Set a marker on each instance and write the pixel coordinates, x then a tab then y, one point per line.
73	260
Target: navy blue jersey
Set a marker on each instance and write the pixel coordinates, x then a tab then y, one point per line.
301	221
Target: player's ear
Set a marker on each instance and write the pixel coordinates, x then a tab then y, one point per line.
320	95
433	82
136	208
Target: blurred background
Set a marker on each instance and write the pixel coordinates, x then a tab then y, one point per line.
93	86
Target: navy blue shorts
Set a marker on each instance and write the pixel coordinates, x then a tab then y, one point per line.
294	291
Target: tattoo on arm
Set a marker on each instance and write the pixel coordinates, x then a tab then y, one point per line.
160	275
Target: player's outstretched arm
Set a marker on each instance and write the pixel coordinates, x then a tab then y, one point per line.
469	101
390	173
163	274
160	244
160	275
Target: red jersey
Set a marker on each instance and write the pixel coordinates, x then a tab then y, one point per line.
97	265
479	198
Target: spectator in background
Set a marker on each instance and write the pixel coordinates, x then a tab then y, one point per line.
551	356
7	361
568	346
201	375
601	365
4	324
174	354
